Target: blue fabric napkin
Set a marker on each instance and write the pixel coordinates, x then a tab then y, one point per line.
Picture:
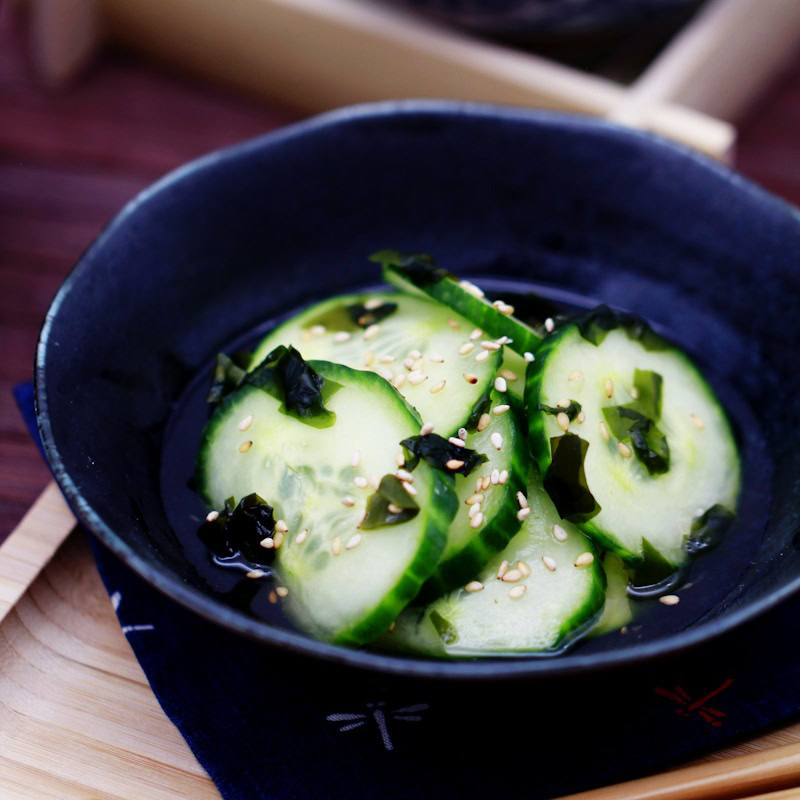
266	725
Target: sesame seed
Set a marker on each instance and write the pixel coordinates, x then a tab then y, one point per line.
498	304
400	459
317	330
581	418
669	599
454	463
394	508
476	521
575	376
473	586
281	526
471	288
623	630
256	573
398	381
268	543
506	309
374	481
437	387
369	357
487	482
474	509
512	576
408	363
495	477
409	488
584	559
387	359
474	498
426	429
549	325
523	513
517	592
550	563
245	446
341	336
483	422
246	422
503	476
277	539
336	546
482	356
500	384
453	324
371	332
563	403
416	377
470	378
635	393
462	434
361	482
355	459
353	541
273	598
523	568
373	303
405	475
281	591
529	356
559	533
466	349
509	375
476	334
501	409
436	358
212	516
418	364
386	374
414	355
522	500
562	420
501	570
604	431
479	485
497	440
624	450
392	626
456	441
302	536
490	345
697	421
608	386
348	501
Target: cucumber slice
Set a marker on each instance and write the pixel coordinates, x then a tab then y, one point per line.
638	507
618	610
502	476
305	472
419	340
417	274
555	606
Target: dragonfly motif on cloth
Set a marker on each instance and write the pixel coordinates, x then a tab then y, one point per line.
687	707
116	599
380	715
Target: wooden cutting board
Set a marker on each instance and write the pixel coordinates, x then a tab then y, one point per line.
78	719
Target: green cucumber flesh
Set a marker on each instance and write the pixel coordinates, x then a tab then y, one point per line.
704	466
618	610
305	473
435	332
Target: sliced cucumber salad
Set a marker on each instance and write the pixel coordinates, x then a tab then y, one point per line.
421	471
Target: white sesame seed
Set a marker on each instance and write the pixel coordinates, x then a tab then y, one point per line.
400	459
509	375
517	592
398	381
487	482
361	482
584	559
245	446
604	431
336	546
256	573
373	303
394	508
456	441
476	521
355	459
512	576
405	475
416	377
479	485
415	354
482	356
608	387
562	420
559	533
212	516
281	526
268	543
386	374
246	422
409	488
273	598
550	563
348	501
487	345
466	349
498	304
436	358
697	422
669	599
523	568
471	288
374	481
473	586
341	336
369	357
635	393
575	376
474	498
581	418
624	450
529	356
506	309
501	570
523	513
371	332
470	378
462	434
353	541
522	500
454	463
495	477
426	429
474	509
277	539
302	536
408	363
503	476
317	330
437	387
387	359
476	334
500	384
562	403
497	440
501	409
549	325
453	324
418	364
483	422
281	591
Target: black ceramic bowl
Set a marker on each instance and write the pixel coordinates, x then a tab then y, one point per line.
583	209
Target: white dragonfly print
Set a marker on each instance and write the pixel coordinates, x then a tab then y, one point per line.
379	714
116	599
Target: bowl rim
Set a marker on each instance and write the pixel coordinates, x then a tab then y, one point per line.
160	577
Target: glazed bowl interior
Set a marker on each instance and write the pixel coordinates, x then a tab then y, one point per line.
579	208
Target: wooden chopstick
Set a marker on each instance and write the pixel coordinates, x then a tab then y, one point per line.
32	544
726	779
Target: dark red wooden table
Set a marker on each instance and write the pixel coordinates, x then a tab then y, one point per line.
70	159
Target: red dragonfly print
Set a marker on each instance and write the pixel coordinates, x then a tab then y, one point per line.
687	707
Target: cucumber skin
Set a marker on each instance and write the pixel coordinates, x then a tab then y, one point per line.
481	313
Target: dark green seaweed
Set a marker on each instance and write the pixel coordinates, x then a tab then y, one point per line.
437	451
565	480
390	492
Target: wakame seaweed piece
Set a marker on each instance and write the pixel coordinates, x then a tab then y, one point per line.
648	385
241	530
226	378
708	529
572	410
565	480
364	317
652	571
418	268
649	443
437	451
389	505
286	376
594	325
